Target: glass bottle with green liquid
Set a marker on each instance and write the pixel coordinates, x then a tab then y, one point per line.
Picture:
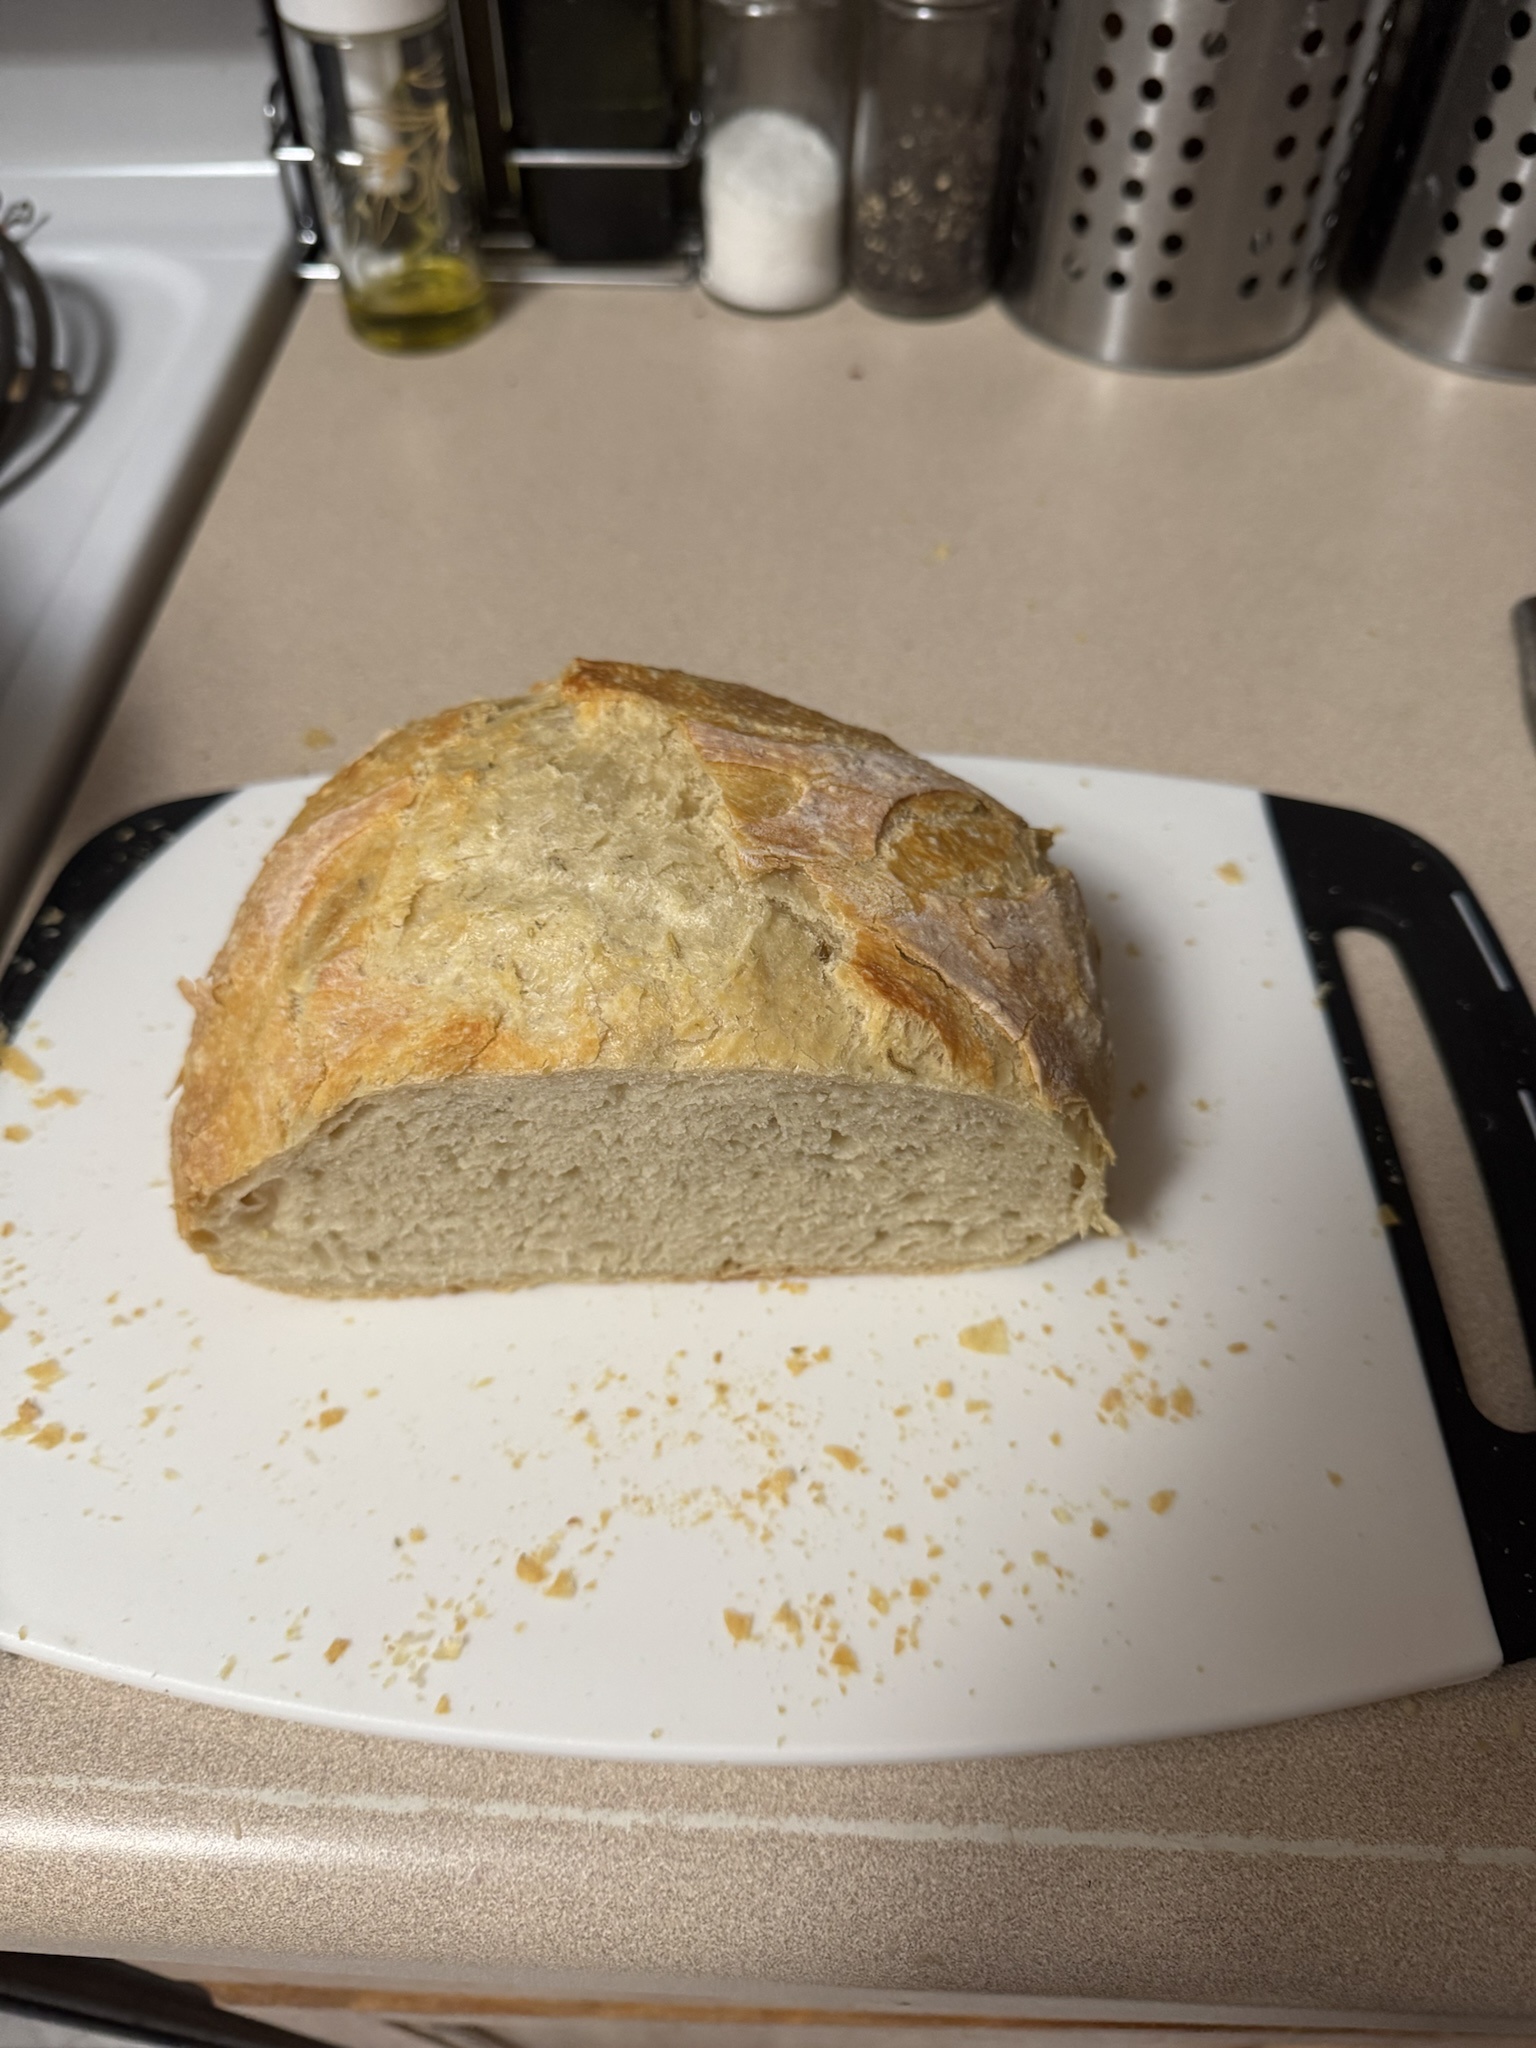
378	103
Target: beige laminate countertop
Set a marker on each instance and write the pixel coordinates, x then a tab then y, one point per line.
1297	576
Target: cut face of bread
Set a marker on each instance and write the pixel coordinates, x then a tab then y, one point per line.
499	1182
642	975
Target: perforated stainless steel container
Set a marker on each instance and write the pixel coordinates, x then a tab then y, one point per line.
1181	163
1445	255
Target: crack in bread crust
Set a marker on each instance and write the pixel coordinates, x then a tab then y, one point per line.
978	900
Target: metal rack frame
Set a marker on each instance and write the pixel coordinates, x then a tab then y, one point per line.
509	253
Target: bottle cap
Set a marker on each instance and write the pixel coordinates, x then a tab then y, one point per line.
358	17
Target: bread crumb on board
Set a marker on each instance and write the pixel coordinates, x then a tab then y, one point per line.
801	1358
29	1414
990	1336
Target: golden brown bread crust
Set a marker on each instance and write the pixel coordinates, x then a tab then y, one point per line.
951	949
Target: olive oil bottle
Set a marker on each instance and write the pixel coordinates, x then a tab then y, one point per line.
378	103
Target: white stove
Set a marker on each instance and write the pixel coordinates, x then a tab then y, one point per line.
168	265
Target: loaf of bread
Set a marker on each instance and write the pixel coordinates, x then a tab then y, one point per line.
643	977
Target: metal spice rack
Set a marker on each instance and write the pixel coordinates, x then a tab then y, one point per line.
509	253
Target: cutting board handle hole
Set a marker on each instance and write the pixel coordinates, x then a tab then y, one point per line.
1447	1189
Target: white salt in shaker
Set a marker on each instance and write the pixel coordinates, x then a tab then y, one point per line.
776	115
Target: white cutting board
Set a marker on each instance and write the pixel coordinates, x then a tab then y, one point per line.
1202	1486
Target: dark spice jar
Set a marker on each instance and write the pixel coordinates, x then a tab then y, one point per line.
601	75
933	86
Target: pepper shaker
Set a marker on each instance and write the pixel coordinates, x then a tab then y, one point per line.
933	82
776	92
378	104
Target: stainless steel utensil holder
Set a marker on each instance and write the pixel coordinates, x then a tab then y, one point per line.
1445	261
1181	163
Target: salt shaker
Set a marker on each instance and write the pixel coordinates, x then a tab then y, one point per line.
378	104
776	93
933	83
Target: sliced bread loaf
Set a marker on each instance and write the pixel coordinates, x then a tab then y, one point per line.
643	977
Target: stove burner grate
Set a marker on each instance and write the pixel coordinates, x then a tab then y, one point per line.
39	397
